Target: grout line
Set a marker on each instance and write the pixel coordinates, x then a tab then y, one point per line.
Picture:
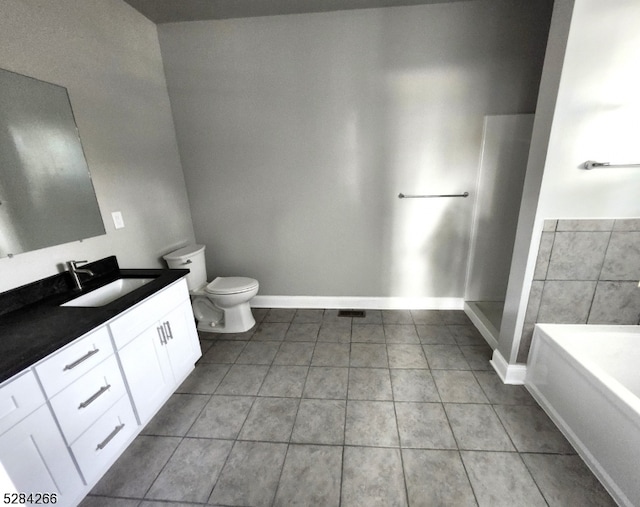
464	467
595	289
284	460
544	497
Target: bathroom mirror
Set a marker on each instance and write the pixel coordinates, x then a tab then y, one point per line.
46	194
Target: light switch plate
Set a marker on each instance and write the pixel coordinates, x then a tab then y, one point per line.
118	221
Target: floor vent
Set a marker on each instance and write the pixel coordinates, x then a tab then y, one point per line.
352	313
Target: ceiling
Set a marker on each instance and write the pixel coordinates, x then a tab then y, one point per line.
170	11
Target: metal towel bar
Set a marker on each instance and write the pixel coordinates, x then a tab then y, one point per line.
592	164
404	196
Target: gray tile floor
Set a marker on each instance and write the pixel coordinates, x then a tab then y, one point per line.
308	408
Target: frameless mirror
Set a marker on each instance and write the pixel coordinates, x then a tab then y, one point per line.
46	194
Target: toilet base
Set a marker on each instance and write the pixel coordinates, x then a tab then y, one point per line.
212	319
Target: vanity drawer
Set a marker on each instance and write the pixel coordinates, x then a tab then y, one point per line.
69	364
80	404
98	447
135	321
18	398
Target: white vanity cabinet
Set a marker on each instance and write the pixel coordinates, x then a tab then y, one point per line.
32	450
158	358
66	419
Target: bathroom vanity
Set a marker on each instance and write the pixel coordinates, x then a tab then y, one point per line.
78	383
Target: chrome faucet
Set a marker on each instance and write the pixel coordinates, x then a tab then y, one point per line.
74	270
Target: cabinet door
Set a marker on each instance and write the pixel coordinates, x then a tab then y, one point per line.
147	371
37	460
183	345
18	398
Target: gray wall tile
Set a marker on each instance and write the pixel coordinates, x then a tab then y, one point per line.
622	261
585	225
544	254
566	302
535	297
577	255
571	262
616	303
627	224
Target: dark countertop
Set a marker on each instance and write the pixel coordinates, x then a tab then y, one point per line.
38	328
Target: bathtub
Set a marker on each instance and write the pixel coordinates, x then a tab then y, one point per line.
587	378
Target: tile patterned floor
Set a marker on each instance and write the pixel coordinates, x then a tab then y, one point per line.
308	408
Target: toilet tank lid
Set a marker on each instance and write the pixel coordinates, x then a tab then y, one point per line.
183	253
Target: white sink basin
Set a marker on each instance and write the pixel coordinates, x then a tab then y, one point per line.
108	293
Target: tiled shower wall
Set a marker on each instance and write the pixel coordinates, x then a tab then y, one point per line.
587	272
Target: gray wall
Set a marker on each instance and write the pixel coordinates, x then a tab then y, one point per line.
296	134
107	55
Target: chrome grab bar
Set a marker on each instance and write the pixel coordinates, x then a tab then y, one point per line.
592	164
404	196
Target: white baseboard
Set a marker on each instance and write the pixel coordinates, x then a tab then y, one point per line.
364	303
508	373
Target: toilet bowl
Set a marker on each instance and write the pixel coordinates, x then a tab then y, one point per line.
223	305
220	306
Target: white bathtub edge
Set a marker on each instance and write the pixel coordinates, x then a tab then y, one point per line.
589	459
509	373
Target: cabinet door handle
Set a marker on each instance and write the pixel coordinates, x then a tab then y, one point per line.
115	431
163	338
167	326
94	397
70	366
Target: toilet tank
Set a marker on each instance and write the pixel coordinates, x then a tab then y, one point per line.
190	257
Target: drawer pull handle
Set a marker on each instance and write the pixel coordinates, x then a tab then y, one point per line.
70	366
167	326
93	398
106	441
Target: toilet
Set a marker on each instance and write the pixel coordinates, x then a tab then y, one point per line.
220	306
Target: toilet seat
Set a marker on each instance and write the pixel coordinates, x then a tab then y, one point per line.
230	285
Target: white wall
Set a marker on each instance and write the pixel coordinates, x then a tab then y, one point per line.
107	55
590	107
297	133
596	116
